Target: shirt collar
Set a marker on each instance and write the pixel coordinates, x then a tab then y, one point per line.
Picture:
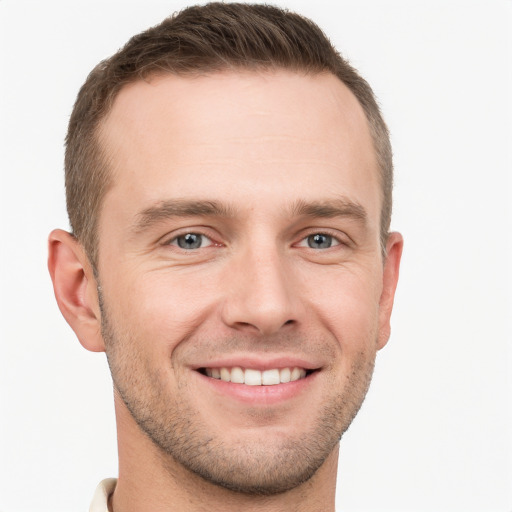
99	501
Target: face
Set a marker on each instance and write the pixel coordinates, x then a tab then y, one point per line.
242	285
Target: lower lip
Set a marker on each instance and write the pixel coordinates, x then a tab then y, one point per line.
262	395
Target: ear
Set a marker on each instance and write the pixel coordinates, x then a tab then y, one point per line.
75	288
394	248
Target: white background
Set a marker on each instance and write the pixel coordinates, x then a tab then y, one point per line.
435	433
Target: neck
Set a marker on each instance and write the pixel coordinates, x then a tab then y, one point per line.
150	481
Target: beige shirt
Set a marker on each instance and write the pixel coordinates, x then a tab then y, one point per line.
99	501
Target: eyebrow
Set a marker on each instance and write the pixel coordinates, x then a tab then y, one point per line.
179	208
331	208
205	208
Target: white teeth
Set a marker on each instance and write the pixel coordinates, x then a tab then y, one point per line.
225	374
295	374
252	377
285	375
237	375
270	377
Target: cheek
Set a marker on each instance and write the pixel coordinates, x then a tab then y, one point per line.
161	308
347	303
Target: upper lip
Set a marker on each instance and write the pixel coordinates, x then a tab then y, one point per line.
259	362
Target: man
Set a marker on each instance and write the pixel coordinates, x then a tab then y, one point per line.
228	181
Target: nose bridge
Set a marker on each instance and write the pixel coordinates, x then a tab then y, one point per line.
260	293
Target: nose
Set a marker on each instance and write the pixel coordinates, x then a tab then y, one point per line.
261	294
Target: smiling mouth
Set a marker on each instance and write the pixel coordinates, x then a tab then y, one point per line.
252	377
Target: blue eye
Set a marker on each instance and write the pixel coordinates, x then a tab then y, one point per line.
190	241
321	241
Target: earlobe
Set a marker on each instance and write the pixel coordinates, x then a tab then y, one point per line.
394	248
75	288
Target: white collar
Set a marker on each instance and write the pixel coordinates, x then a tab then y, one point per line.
99	501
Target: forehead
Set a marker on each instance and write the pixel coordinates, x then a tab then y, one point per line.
261	134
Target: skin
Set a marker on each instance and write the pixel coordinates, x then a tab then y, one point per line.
284	157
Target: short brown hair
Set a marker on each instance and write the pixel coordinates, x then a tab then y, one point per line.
200	40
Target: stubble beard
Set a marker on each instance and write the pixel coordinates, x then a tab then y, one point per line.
180	435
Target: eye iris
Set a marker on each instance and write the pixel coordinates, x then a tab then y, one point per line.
319	241
190	241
